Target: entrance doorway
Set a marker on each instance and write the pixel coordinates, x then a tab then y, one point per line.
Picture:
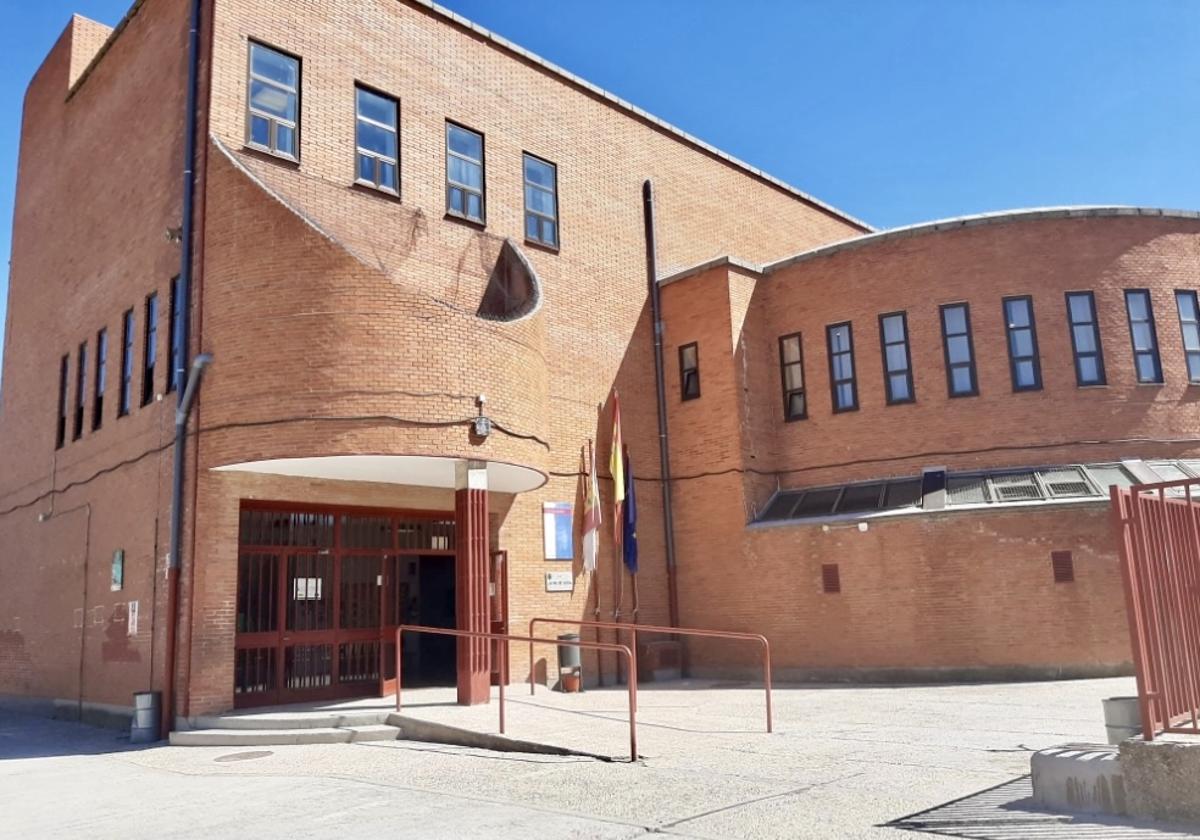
321	592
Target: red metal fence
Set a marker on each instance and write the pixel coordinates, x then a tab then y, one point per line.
1159	530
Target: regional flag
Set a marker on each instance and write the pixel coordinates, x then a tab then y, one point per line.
591	515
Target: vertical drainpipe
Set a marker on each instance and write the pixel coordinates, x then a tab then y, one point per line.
664	443
186	394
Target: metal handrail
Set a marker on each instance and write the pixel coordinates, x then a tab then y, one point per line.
682	631
506	637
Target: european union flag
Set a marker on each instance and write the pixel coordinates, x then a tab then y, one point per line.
629	515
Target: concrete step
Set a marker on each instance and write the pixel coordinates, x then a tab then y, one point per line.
280	737
290	720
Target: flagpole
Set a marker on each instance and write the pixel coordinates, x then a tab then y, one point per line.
594	582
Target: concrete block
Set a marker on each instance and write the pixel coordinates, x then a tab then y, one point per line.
279	737
1080	779
1162	777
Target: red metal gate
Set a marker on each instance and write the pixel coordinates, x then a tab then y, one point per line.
321	592
1159	530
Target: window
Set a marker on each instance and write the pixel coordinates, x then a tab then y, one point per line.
1023	361
60	432
897	364
174	351
80	390
464	173
126	364
101	379
1085	338
376	138
1143	335
150	350
960	351
791	369
541	201
689	371
273	102
841	367
1189	326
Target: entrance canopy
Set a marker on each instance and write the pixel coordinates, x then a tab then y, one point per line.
416	470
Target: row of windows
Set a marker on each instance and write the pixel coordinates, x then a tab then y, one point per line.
125	395
273	126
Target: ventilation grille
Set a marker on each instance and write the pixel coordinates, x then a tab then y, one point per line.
831	579
1066	483
1016	487
967	490
1064	566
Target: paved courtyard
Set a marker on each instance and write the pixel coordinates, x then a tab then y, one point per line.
843	762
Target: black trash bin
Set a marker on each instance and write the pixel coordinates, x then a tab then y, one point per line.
147	717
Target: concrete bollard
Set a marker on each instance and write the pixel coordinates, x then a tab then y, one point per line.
1122	718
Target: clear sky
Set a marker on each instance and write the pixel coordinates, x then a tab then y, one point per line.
896	112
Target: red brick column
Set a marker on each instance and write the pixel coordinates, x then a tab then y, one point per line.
471	580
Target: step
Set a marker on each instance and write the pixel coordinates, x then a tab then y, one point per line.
290	720
281	737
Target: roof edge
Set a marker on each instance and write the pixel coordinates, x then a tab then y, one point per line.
715	262
624	105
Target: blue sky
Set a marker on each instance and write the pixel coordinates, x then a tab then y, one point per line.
898	112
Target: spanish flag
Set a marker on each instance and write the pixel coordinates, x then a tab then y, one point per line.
616	463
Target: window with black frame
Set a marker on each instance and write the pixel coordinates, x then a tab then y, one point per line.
541	201
842	384
464	173
273	102
60	432
98	387
791	372
126	398
1023	360
689	371
377	140
897	360
1085	338
1144	336
959	350
1189	327
80	390
150	349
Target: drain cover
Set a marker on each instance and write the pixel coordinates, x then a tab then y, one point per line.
244	756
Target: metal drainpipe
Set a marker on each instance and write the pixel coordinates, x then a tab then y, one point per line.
664	442
186	395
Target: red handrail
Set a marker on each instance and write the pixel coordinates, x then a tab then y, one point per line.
506	637
682	631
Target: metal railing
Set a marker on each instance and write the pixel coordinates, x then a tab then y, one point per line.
503	648
1159	531
634	629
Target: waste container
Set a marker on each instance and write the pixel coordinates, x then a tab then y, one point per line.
569	657
147	717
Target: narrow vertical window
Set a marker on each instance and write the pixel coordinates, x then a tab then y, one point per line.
1085	338
843	388
101	379
377	139
273	102
689	371
464	173
60	431
1023	361
541	201
150	350
1143	335
960	350
80	391
1189	326
791	371
126	400
897	362
174	351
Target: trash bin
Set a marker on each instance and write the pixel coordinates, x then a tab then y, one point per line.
569	656
147	717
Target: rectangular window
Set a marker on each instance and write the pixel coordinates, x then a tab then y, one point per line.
1085	338
126	401
101	379
1189	326
464	173
960	350
174	351
791	370
80	390
1143	335
377	138
1023	361
689	371
150	350
60	431
273	102
541	201
841	367
897	362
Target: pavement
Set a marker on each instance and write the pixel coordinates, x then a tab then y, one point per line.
843	762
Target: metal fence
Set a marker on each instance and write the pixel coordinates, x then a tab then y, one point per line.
1159	530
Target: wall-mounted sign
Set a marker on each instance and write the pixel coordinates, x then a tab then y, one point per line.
132	628
560	582
118	569
558	520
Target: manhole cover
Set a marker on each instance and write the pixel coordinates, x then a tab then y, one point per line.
244	756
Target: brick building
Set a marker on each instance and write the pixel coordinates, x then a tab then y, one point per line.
417	257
